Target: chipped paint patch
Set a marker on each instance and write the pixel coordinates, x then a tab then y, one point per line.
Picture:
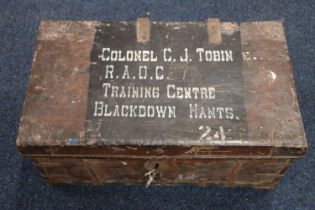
272	76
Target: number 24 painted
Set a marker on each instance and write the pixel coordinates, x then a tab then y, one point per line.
207	133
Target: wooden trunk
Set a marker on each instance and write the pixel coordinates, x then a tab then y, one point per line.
162	102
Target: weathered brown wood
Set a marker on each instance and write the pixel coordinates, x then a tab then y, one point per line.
57	132
262	173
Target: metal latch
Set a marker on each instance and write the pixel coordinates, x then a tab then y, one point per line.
154	168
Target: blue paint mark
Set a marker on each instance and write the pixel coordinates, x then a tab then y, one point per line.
73	141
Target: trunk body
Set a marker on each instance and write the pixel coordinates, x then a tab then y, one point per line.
196	102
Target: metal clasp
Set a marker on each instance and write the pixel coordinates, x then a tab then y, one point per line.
151	174
154	168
